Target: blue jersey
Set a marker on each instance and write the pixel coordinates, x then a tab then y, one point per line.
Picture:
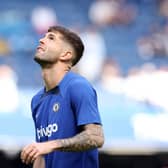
59	113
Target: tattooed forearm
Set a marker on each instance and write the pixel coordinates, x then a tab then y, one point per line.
90	137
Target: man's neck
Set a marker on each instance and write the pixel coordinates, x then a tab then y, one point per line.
53	75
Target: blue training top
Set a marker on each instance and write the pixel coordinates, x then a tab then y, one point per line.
59	113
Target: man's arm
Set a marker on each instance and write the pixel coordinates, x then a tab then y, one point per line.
90	137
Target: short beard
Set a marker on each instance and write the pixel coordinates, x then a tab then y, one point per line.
43	63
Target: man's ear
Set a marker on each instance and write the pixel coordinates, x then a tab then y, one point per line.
66	56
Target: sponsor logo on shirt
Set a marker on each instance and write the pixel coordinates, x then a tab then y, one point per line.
47	131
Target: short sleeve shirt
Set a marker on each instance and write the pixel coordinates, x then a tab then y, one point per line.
60	112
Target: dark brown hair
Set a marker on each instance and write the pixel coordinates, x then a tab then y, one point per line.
73	39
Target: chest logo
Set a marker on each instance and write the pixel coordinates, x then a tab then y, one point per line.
56	107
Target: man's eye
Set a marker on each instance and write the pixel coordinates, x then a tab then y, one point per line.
51	38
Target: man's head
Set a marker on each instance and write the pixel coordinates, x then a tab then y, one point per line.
59	43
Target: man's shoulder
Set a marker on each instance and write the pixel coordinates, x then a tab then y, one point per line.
39	92
79	84
78	79
38	95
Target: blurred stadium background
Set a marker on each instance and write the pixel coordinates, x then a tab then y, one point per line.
126	59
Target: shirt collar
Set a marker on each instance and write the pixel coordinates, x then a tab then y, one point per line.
61	87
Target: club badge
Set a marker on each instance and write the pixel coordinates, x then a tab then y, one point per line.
56	107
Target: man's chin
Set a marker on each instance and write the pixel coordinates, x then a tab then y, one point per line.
42	62
38	60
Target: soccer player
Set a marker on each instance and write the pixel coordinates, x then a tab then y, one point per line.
65	111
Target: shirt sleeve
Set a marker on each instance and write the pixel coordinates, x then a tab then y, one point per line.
84	103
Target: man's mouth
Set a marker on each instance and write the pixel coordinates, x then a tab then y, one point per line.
39	48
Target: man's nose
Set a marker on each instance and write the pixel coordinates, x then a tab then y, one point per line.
42	40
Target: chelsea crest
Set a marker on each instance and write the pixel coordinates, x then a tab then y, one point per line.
56	107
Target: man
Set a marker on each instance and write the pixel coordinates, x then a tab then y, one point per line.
65	112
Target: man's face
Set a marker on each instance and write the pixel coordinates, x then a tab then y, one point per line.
50	47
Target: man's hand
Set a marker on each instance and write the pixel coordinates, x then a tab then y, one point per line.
39	162
32	151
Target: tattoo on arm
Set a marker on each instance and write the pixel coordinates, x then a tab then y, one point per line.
91	137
